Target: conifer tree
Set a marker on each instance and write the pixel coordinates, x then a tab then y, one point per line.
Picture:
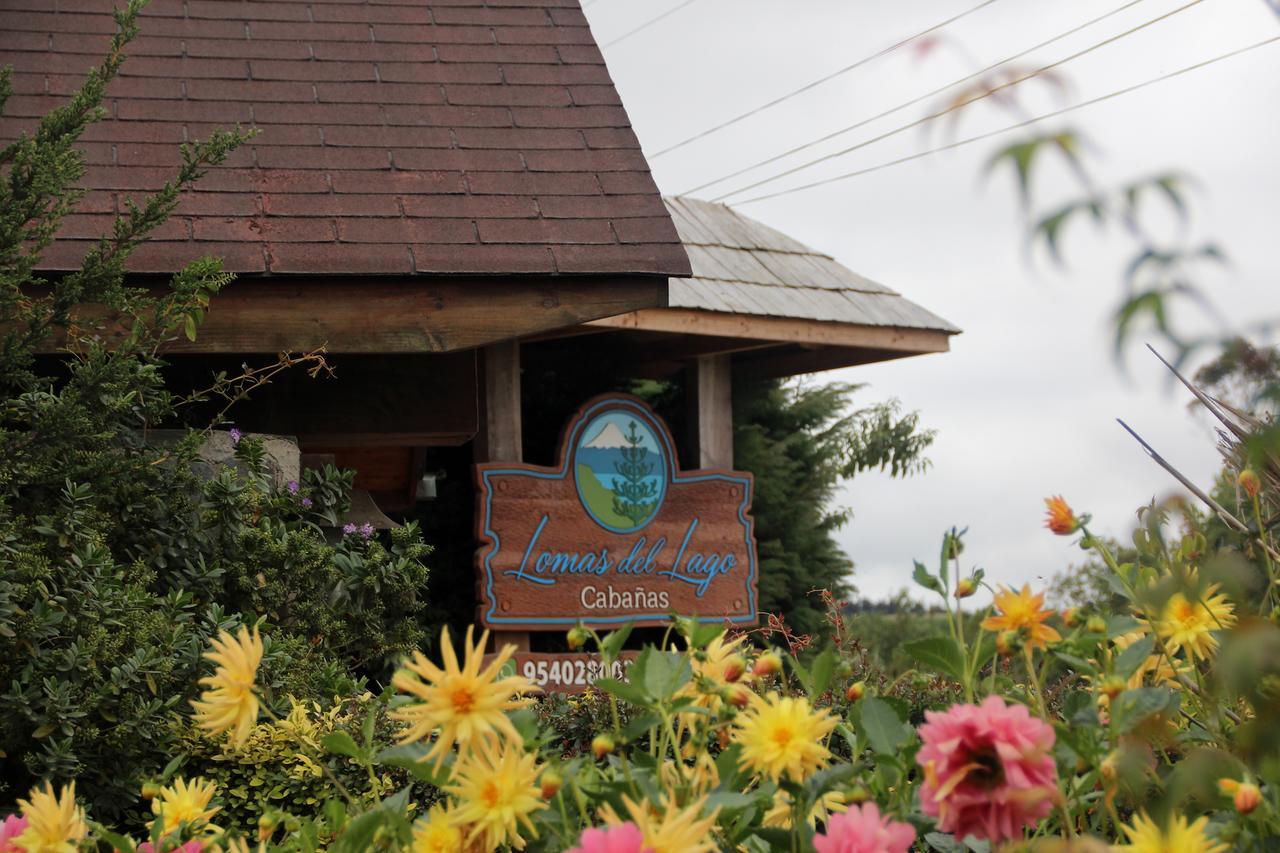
632	494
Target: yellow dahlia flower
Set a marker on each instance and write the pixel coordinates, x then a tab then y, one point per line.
1146	836
496	789
437	832
667	828
1189	624
783	737
230	702
184	803
465	703
55	824
1023	613
779	814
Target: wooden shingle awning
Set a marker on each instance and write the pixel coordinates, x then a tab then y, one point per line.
776	306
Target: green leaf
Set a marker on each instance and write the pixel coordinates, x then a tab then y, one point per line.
625	691
820	672
189	324
612	643
412	757
1134	707
923	578
881	726
341	743
1128	661
663	674
941	653
777	839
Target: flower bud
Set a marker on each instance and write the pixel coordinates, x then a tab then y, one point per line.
965	587
1112	686
1070	617
551	782
1060	518
266	827
1110	767
734	667
150	791
1096	625
769	663
856	691
1250	482
601	745
739	696
577	638
1007	642
1245	796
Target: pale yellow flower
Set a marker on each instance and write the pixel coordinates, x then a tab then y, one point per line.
783	737
780	813
666	827
230	702
55	824
463	702
496	790
437	832
1178	836
1189	624
184	802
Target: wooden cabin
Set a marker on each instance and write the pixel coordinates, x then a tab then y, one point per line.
437	191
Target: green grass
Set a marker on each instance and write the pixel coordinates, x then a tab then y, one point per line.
600	499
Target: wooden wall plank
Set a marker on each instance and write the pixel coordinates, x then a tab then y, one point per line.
405	315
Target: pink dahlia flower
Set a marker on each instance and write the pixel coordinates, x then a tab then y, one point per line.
623	838
862	829
988	769
13	826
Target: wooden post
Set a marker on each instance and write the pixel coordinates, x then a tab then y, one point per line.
499	439
711	404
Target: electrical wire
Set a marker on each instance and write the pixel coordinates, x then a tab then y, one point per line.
882	52
649	23
960	104
911	103
989	134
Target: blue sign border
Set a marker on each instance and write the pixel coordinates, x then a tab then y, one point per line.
569	445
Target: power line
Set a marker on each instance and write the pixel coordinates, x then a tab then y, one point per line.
649	23
911	103
989	134
961	104
882	52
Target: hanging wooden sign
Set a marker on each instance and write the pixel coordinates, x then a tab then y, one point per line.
615	533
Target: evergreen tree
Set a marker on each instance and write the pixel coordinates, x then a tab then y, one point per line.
631	494
800	441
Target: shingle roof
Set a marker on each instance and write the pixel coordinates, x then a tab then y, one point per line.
742	266
397	136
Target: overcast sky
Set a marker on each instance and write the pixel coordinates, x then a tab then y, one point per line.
1026	401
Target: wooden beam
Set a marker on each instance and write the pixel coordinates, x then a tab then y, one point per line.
685	321
793	361
711	397
422	315
500	437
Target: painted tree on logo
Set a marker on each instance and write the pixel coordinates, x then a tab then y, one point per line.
633	494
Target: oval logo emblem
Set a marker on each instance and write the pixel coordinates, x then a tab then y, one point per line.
620	471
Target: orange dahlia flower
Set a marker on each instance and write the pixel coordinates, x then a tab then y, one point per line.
1024	613
1061	520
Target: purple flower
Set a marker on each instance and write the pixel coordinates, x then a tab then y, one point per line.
292	487
306	503
366	530
236	435
348	528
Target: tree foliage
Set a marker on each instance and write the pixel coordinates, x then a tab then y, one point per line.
117	561
799	442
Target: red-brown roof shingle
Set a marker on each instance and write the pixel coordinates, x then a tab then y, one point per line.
395	136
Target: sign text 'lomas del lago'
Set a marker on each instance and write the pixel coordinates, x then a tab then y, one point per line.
615	533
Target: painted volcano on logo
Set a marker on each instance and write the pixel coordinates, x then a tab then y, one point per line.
620	471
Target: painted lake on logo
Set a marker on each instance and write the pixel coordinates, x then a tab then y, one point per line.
620	471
